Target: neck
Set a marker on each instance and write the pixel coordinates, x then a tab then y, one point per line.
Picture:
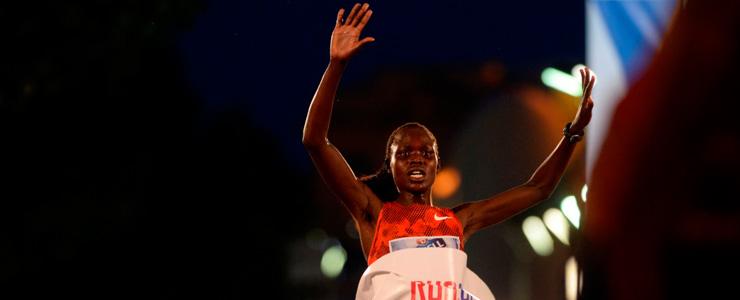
407	198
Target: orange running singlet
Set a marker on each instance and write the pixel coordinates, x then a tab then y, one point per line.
397	221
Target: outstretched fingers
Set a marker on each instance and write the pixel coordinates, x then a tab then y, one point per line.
339	17
583	78
352	14
346	35
592	83
365	41
587	77
589	82
365	19
358	16
361	14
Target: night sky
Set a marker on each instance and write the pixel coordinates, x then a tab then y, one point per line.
140	139
266	57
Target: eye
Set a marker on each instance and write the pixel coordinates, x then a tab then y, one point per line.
403	154
428	154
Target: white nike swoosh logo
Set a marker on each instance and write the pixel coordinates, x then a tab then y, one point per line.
437	218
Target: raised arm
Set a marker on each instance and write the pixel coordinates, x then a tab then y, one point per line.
477	215
345	42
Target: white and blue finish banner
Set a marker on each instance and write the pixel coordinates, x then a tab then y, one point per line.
422	274
621	38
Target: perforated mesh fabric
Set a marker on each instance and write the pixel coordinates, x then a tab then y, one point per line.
397	221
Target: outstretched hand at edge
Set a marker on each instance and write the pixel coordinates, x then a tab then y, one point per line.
583	116
345	39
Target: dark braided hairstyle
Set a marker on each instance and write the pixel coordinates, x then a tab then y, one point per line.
382	182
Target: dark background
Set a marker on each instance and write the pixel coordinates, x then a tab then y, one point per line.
151	149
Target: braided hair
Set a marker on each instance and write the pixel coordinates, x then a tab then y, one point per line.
381	182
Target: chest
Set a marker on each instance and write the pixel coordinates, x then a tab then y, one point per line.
399	220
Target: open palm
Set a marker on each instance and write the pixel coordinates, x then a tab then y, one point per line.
345	39
583	116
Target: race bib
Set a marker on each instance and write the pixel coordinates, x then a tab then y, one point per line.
424	242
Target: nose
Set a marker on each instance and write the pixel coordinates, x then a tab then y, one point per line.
416	157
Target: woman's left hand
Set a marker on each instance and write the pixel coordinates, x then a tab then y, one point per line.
583	116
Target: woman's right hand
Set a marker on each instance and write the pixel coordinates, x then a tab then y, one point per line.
345	39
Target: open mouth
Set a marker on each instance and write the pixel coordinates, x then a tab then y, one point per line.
416	175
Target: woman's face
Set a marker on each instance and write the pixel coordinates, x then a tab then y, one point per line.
414	160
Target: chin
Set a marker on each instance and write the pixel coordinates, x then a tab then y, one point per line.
418	188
